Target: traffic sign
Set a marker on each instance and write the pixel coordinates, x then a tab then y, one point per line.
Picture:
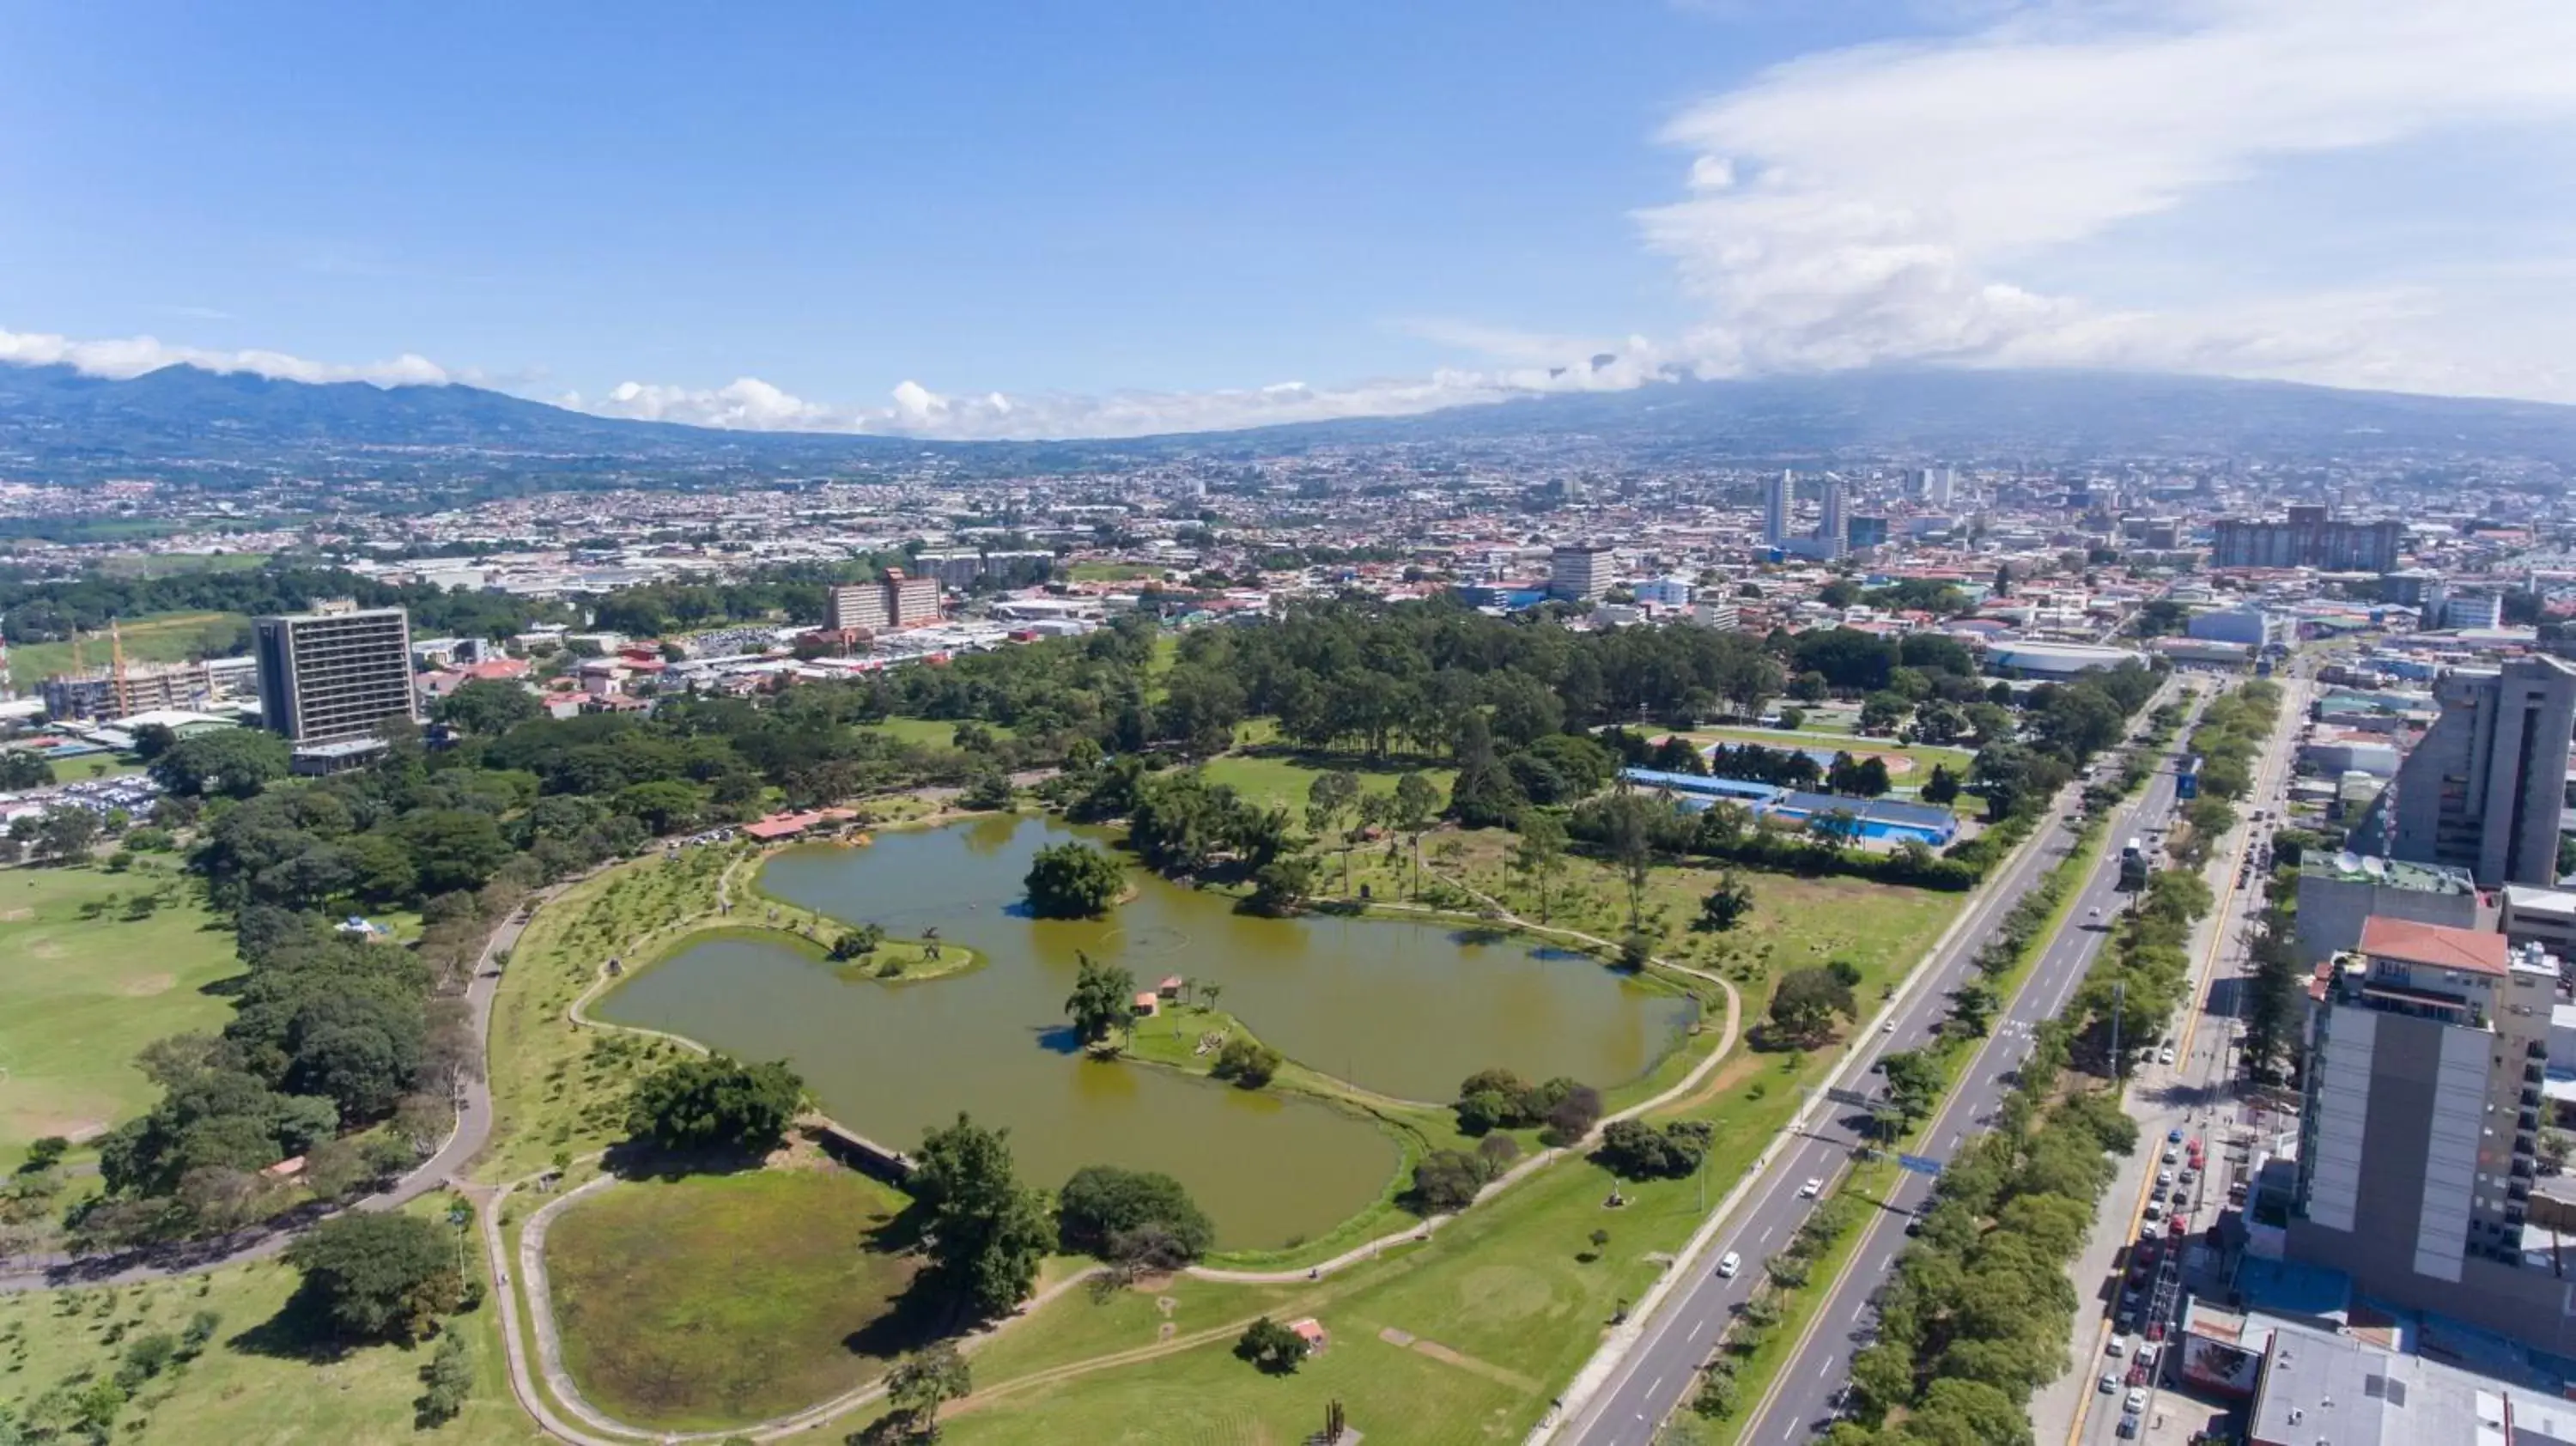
1920	1164
1843	1096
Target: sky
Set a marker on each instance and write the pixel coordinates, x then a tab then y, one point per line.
1056	219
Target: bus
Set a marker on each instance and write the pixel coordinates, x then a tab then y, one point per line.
2187	778
2133	865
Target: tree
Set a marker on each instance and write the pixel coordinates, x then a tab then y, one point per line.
1132	1215
68	833
237	762
1726	904
1272	1347
449	1377
1540	855
1415	803
452	849
925	1380
1913	1082
374	1276
716	1103
663	805
1942	788
1446	1181
1103	1000
1073	881
1484	795
1628	831
858	943
990	792
1572	1117
1246	1061
1804	1004
488	707
988	1232
1331	798
1281	885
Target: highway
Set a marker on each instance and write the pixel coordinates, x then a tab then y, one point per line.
1659	1370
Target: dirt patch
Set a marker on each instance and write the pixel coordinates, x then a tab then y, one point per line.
148	985
44	949
16	916
1725	1077
1464	1362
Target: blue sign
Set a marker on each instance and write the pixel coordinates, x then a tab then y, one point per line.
1920	1164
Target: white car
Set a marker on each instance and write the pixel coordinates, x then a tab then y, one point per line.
2137	1399
2165	1055
1814	1187
2115	1349
2110	1384
1728	1264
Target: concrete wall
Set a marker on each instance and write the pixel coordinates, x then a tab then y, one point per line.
2331	911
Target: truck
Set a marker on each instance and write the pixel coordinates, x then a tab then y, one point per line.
2133	865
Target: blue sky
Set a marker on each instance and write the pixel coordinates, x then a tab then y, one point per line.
1144	215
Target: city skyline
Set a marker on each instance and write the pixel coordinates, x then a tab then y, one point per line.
1025	223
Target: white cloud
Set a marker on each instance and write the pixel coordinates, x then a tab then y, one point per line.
1875	204
134	355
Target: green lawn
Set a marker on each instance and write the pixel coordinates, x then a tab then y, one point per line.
174	564
94	765
722	1300
929	732
1275	778
258	1381
78	996
156	638
1923	757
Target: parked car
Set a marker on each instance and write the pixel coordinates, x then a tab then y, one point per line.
2110	1384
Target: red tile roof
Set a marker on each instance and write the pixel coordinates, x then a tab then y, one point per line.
2436	945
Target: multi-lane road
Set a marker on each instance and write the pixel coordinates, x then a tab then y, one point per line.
1659	1369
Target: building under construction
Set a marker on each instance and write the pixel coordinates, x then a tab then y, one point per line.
111	693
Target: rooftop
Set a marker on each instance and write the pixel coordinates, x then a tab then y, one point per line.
2354	868
2436	945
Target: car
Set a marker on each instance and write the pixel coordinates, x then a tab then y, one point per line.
1815	1186
2097	911
2136	1399
2128	1429
2165	1055
2164	1177
2115	1349
2171	1154
1728	1264
1888	1028
2155	1211
2110	1384
2174	1135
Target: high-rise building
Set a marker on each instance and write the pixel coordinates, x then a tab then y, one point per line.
2419	1137
1944	486
1776	497
1579	573
1867	532
2485	788
2307	539
893	601
334	674
1833	528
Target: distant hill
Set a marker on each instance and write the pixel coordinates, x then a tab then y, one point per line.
55	422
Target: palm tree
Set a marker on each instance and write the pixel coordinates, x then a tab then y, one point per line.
1208	994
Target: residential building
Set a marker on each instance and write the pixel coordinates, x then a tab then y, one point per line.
896	600
1834	528
1579	572
2468	610
1719	613
2485	788
334	674
1671	592
2252	627
2418	1142
2338	893
2307	539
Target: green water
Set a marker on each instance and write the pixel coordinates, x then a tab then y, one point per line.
1401	1008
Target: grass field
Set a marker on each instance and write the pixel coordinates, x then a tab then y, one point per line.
157	638
78	996
555	1085
1278	779
94	765
1922	757
929	732
722	1300
175	564
257	1382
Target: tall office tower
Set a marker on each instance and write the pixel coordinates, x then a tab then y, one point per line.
332	675
1831	531
2418	1140
1776	496
2485	788
1579	573
1944	486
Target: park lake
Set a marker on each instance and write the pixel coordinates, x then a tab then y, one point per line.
1396	1007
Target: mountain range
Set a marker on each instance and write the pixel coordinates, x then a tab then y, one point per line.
58	423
